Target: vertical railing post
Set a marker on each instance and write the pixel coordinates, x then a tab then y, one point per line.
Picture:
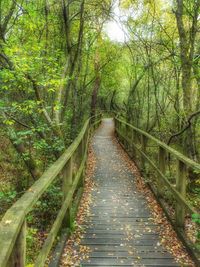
82	153
133	142
87	138
82	148
120	130
162	167
18	256
116	127
123	127
137	155
127	145
181	188
143	147
67	183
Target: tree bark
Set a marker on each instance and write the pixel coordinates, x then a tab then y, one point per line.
187	39
96	87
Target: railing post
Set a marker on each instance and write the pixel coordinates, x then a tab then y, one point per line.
83	147
181	187
119	129
18	256
133	139
127	145
123	131
143	147
115	122
162	167
67	183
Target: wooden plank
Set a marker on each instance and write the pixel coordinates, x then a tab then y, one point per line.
129	262
181	187
55	259
116	248
66	186
127	265
119	229
162	167
145	254
119	241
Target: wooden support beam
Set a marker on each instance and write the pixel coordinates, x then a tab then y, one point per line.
181	188
18	256
66	186
133	141
162	168
143	148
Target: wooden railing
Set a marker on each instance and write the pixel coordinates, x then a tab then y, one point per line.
70	166
138	143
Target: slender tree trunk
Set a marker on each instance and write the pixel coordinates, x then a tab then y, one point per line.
187	41
96	87
21	150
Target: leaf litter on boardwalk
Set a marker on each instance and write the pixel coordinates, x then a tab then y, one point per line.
168	237
74	252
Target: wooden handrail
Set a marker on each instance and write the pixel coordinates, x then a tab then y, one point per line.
135	141
13	224
173	190
178	155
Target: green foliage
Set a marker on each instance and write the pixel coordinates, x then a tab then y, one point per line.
46	208
48	76
196	219
33	244
7	197
40	219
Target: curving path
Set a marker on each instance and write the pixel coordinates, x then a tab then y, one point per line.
119	229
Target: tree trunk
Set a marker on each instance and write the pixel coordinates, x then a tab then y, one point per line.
186	42
97	84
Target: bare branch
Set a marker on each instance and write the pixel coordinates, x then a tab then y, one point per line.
187	126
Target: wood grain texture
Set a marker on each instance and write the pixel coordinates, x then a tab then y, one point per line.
178	155
13	220
119	229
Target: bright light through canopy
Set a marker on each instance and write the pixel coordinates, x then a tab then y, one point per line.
114	28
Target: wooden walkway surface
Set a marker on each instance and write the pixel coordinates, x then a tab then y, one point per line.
119	229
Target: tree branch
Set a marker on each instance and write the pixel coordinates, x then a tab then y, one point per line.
187	126
38	97
17	121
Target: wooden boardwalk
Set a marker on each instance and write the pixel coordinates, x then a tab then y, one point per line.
119	229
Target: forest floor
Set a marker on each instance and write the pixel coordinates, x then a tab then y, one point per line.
11	171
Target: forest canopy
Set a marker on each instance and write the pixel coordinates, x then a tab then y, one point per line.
63	61
58	66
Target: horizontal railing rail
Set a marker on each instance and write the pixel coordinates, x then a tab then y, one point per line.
13	224
135	142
